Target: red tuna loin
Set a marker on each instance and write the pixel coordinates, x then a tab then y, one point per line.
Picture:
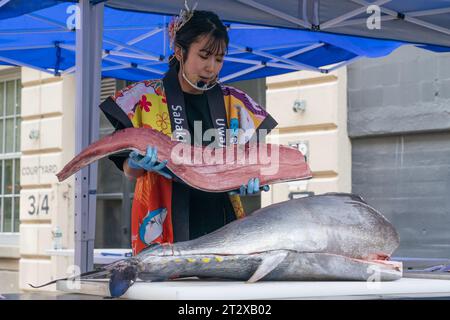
227	169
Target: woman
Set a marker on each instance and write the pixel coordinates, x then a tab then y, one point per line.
165	209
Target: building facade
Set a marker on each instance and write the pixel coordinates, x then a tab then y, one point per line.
399	125
311	110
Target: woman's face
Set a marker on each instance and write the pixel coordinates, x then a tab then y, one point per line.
201	64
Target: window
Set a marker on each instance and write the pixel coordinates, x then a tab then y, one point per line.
9	154
114	190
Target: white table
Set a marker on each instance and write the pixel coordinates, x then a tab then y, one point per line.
193	289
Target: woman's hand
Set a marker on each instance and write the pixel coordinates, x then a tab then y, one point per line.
251	188
149	162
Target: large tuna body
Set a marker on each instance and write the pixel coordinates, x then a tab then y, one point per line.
326	237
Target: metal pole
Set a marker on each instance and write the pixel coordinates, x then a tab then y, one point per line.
88	76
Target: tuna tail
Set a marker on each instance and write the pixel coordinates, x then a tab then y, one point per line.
87	275
122	277
122	274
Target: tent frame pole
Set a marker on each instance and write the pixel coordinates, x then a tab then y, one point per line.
344	63
119	48
340	21
3	2
31	31
352	22
120	64
393	17
23	64
117	53
119	67
348	15
272	62
27	48
276	13
137	39
262	63
88	82
126	46
430	12
274	57
137	66
408	18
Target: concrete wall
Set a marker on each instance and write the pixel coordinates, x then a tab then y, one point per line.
399	121
47	143
406	92
322	126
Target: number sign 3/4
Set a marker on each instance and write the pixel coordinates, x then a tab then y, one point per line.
38	204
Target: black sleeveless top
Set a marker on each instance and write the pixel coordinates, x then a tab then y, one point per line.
208	211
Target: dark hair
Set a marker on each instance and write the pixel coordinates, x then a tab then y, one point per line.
202	23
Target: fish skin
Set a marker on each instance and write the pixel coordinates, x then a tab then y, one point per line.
330	223
294	267
327	237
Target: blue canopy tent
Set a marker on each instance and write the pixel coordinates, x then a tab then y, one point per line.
267	38
416	21
135	46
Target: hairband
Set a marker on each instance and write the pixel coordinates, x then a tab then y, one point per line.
179	21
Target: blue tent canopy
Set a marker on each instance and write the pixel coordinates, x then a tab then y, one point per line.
418	21
135	45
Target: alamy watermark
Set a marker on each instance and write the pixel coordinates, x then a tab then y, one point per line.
73	277
374	279
254	150
374	21
73	20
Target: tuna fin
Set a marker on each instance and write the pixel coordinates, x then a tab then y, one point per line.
268	263
121	279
